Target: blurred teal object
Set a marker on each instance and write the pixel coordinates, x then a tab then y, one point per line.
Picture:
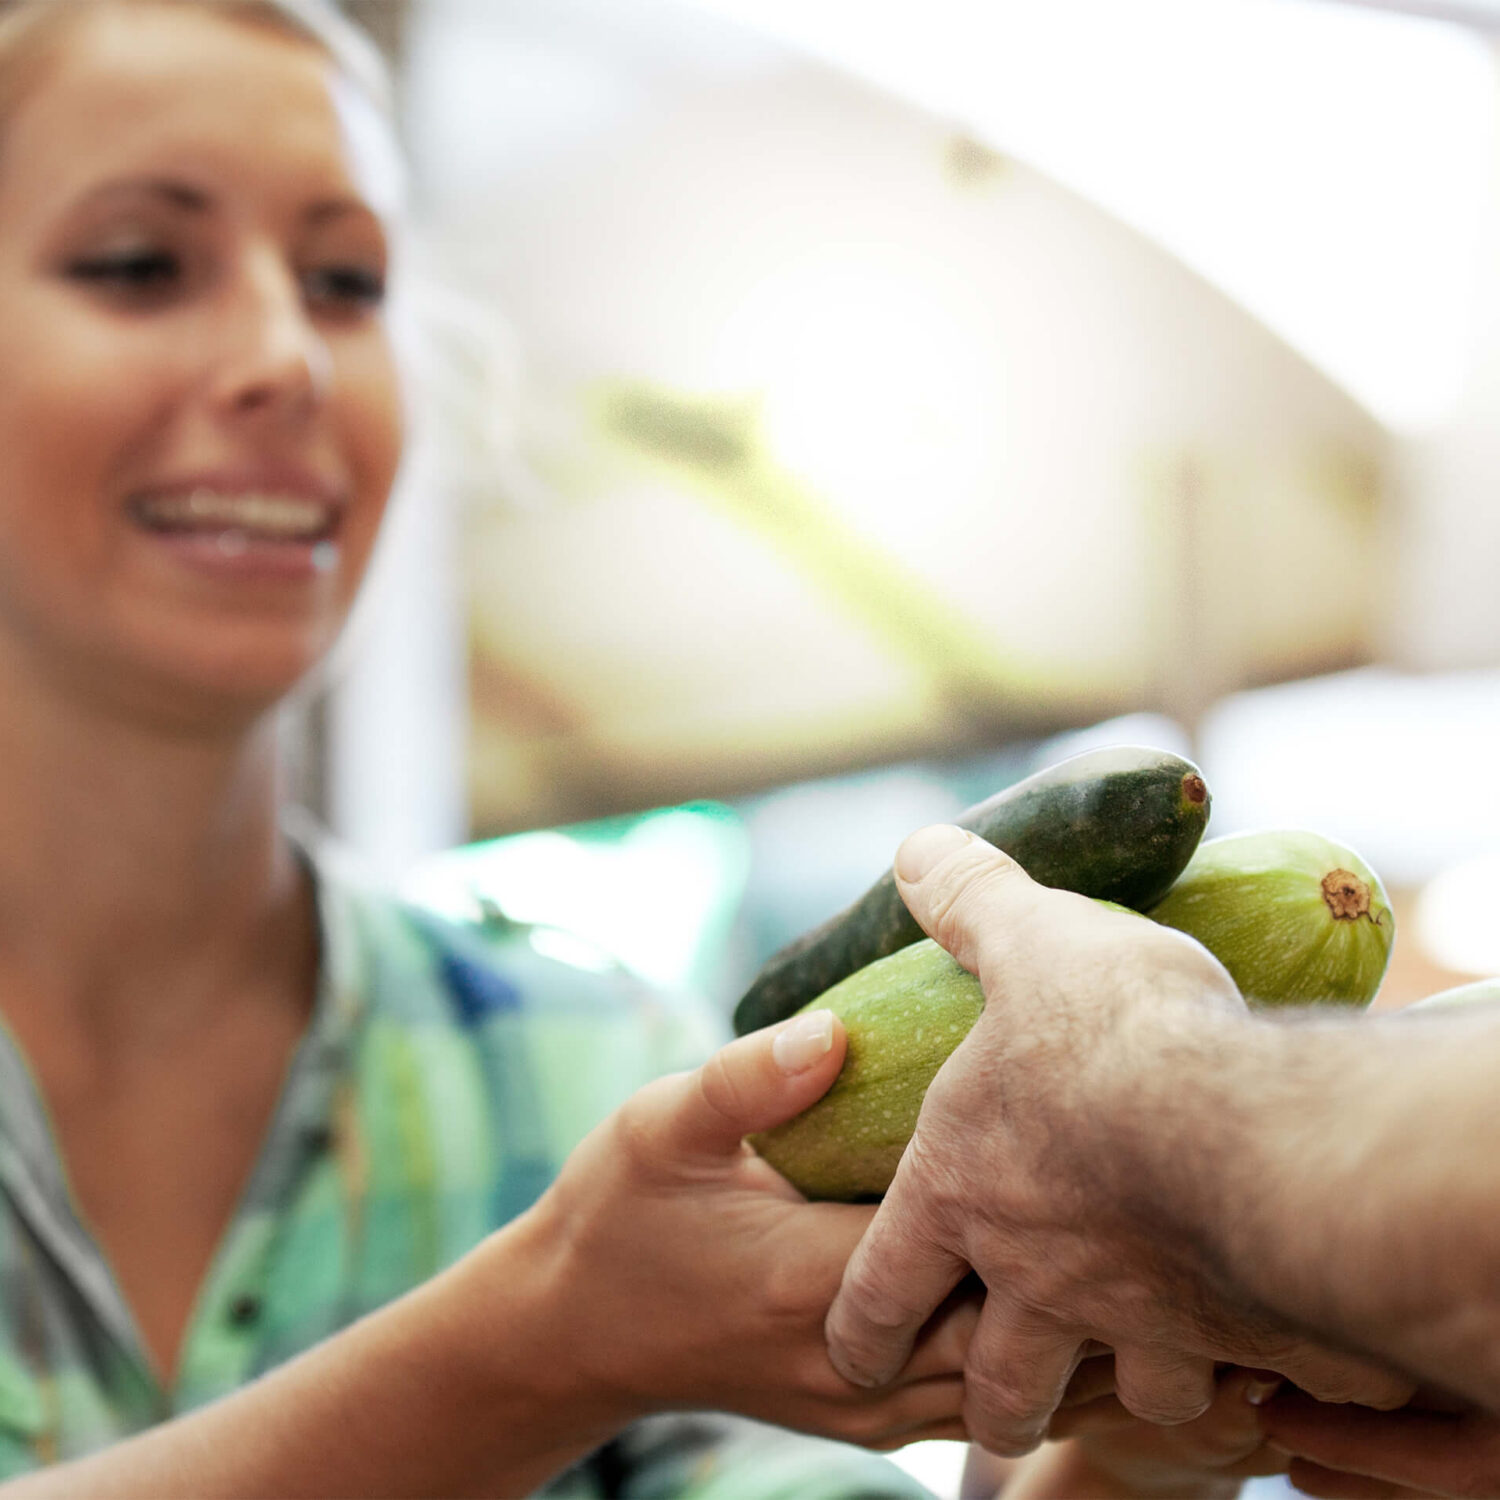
655	892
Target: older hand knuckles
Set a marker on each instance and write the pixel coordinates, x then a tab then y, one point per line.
1005	1418
1355	1382
877	1294
1164	1408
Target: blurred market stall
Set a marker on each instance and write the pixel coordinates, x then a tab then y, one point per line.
835	409
817	390
843	436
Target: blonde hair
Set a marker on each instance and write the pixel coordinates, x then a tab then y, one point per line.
31	31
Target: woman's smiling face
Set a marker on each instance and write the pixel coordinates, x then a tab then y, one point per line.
200	416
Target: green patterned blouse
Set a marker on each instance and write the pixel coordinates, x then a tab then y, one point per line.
443	1078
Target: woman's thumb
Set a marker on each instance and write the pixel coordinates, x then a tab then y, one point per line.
755	1083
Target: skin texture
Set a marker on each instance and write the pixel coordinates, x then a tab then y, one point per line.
1125	1155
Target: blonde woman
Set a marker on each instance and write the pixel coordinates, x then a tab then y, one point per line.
244	1102
283	1208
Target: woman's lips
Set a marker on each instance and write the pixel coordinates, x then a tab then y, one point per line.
257	515
252	533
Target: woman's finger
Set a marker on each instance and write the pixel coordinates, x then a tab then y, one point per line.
1428	1452
943	1346
1333	1484
912	1409
753	1084
1102	1414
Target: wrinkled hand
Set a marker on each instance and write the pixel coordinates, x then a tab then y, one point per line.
692	1275
1020	1169
1352	1453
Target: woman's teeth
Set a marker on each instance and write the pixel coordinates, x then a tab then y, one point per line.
239	519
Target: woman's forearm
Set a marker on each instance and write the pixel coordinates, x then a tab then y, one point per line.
452	1390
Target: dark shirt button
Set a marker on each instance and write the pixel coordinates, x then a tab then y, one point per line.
244	1310
318	1138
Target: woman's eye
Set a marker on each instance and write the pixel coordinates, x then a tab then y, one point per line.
351	287
131	271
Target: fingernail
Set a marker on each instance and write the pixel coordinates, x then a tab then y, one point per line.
1258	1392
803	1041
862	1378
926	847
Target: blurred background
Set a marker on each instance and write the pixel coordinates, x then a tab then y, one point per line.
833	411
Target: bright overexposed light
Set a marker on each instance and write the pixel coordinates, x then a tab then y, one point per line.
1327	166
938	1465
1394	765
645	898
872	380
1455	916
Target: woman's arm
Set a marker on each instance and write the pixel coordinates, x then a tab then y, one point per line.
452	1390
667	1267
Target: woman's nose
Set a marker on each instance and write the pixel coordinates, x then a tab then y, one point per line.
276	361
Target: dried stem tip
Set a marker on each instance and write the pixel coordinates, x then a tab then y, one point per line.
1347	896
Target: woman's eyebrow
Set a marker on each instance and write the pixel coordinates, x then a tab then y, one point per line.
184	196
338	208
169	189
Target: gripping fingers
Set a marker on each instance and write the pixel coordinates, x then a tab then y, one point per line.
1346	1378
1163	1386
944	1344
958	887
891	1285
1017	1372
1330	1484
911	1411
1094	1377
752	1084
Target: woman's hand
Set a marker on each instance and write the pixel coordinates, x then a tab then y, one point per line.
668	1266
683	1271
1353	1453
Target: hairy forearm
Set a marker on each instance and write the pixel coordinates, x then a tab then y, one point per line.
452	1390
1343	1174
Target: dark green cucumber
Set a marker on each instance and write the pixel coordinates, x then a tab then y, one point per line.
1119	824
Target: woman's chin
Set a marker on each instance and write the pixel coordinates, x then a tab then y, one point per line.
226	688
